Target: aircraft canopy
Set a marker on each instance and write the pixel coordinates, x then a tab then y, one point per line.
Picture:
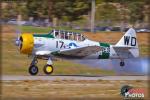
67	35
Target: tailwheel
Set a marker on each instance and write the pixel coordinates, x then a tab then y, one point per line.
122	63
33	70
48	69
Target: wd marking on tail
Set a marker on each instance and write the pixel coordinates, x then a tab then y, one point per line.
133	41
127	39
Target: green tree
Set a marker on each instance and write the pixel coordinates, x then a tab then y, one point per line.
136	11
108	13
13	9
71	10
21	9
37	9
8	11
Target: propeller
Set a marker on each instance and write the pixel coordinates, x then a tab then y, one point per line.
18	40
20	44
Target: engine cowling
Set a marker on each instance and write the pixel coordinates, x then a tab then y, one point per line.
27	43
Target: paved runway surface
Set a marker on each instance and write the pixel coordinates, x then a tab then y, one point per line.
139	67
71	77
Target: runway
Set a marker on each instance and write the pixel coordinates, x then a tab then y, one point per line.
70	77
139	67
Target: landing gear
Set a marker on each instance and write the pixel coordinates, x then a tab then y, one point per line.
33	69
122	63
48	69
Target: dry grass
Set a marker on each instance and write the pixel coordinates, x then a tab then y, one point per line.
67	89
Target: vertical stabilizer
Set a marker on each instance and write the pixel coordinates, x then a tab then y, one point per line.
129	40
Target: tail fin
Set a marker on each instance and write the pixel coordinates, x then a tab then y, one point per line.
129	40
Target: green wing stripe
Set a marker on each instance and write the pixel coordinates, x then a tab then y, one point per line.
43	35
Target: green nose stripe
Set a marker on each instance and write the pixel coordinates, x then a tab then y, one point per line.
43	35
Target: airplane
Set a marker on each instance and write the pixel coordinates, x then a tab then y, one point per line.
73	45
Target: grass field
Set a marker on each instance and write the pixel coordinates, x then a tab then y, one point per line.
35	29
68	89
15	63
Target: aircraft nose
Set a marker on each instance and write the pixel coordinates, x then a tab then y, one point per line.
18	42
26	43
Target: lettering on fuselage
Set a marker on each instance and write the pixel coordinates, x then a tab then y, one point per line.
106	49
127	39
104	54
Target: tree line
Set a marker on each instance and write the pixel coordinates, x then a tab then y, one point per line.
108	12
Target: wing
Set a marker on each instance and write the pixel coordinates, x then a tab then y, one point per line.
80	51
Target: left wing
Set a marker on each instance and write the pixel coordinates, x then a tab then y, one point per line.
80	51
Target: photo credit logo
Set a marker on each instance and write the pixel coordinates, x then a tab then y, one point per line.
130	92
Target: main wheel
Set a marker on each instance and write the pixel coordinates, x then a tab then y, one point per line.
33	70
122	63
48	69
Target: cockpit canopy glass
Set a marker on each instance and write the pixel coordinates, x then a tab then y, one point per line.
67	35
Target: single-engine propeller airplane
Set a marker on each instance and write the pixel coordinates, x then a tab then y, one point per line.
73	45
